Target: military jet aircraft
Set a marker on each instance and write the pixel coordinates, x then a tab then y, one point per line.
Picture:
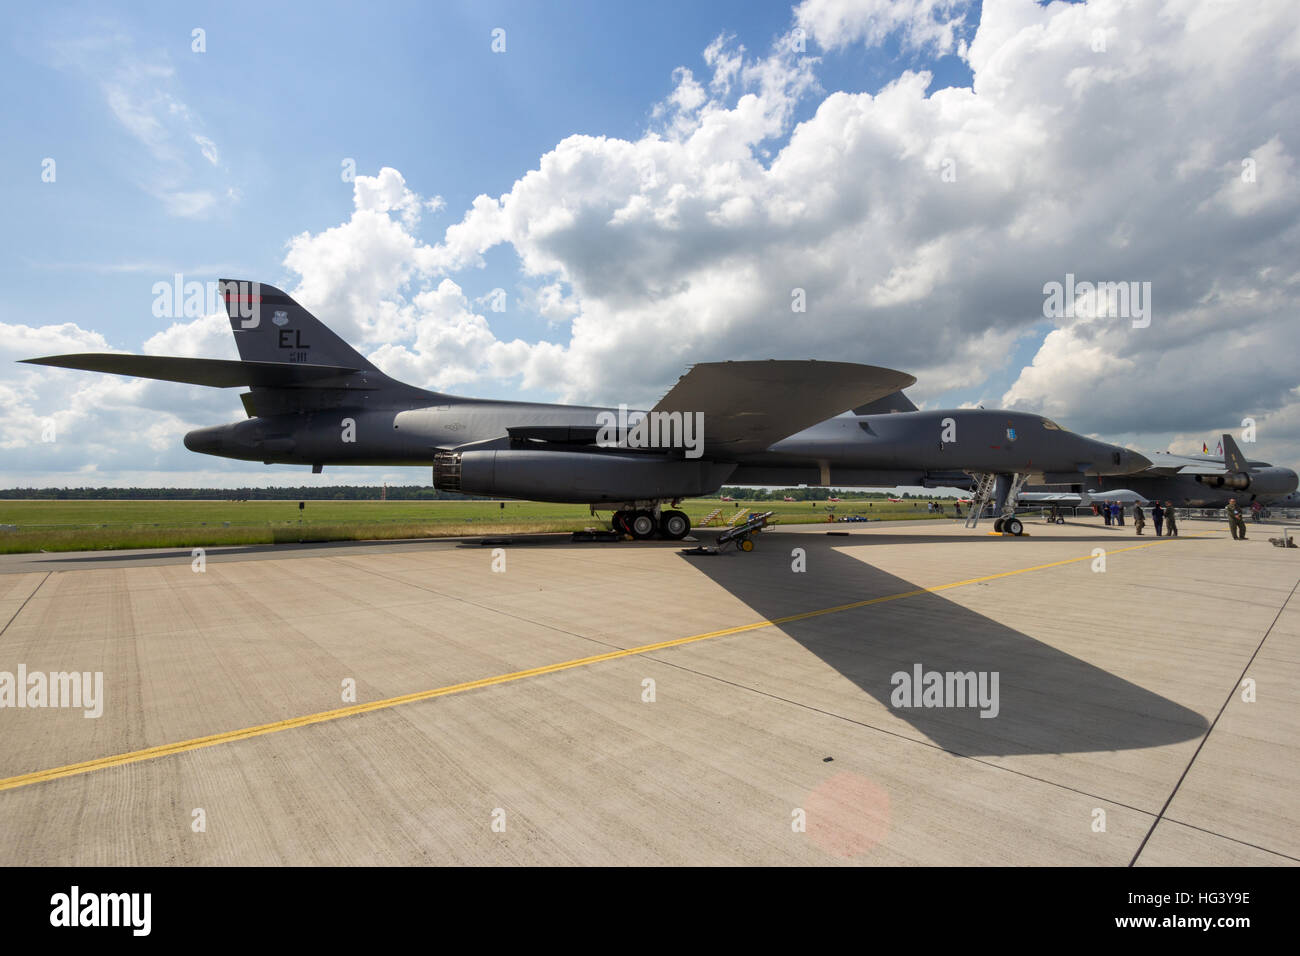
890	443
314	400
1205	481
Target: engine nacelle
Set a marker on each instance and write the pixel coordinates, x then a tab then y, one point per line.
1239	481
1271	481
579	477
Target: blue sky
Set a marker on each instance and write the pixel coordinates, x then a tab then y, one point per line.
649	184
290	92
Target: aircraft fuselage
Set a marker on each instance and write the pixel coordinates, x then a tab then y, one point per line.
853	450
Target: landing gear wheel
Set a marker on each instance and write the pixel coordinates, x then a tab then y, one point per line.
1013	526
618	521
997	525
674	525
745	545
642	524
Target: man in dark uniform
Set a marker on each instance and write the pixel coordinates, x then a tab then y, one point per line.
1157	517
1236	520
1171	520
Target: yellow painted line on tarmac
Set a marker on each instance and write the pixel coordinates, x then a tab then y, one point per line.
261	730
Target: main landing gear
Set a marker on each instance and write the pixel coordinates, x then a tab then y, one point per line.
645	523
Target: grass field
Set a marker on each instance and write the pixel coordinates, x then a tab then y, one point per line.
108	525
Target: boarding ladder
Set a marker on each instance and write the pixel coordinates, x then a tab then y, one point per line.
708	519
985	484
986	487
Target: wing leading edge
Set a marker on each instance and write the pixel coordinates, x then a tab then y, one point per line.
1232	461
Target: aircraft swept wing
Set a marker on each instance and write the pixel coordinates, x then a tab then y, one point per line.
749	406
1229	463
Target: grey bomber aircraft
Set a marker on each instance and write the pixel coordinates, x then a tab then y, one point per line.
891	443
314	400
1207	481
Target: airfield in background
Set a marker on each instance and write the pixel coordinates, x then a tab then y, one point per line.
114	524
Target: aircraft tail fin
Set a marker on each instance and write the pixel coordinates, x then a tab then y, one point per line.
288	358
269	326
1233	460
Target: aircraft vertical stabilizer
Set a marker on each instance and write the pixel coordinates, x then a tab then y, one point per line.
270	326
1233	460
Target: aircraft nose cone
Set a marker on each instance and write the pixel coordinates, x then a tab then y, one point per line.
205	441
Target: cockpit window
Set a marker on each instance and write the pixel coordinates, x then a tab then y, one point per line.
1051	425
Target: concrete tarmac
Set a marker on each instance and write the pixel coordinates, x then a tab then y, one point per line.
558	703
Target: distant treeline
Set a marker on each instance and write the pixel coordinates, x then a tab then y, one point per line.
312	493
802	494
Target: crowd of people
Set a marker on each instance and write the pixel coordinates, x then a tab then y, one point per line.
1165	520
1162	516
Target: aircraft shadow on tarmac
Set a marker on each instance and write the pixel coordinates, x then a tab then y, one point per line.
1049	701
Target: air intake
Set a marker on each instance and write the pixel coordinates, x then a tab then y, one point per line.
446	471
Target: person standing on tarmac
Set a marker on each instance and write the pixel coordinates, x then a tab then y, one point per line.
1118	513
1171	520
1139	519
1236	520
1157	516
1105	512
